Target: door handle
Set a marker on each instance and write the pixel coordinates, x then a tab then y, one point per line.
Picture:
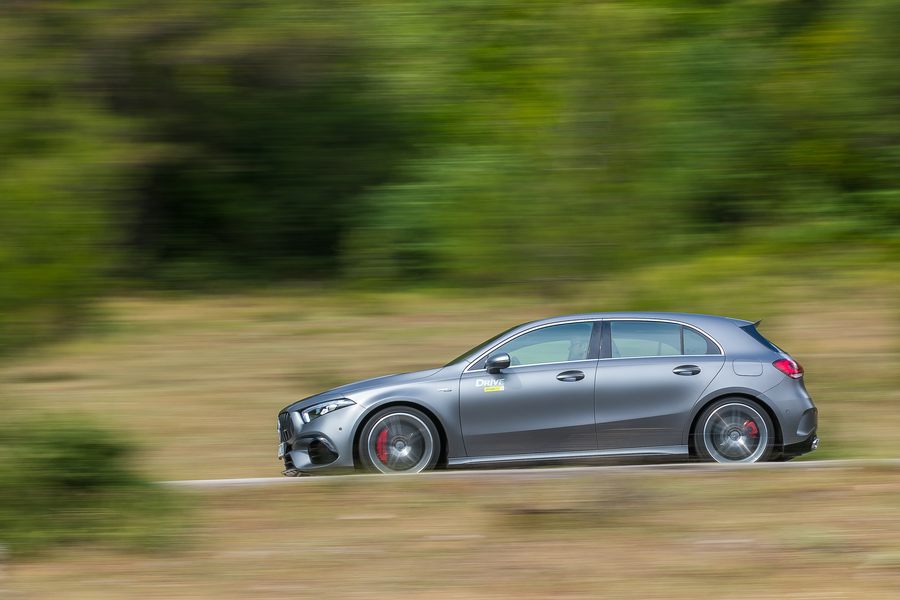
570	376
686	370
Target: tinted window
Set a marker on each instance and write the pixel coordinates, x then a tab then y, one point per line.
653	338
557	343
645	338
697	343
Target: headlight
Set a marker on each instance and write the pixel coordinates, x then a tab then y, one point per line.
323	408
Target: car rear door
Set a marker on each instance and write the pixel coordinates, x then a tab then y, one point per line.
650	375
544	402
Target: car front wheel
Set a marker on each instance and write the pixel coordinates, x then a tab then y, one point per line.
734	430
399	440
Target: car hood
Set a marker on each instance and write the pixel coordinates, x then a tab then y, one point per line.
358	386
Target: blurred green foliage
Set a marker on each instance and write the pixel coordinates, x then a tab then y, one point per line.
62	481
185	142
59	175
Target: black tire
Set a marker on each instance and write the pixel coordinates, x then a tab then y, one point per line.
399	439
734	430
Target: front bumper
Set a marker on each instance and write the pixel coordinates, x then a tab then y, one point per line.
322	445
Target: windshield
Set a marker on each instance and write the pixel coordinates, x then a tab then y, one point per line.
480	347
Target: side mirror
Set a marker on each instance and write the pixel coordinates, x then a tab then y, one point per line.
496	362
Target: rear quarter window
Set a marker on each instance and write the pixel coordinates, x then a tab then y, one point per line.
695	343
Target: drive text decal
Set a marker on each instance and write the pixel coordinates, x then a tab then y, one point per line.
490	385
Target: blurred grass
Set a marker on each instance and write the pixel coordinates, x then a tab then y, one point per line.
790	533
63	481
196	381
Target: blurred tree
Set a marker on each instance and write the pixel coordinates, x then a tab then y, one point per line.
453	141
61	177
267	131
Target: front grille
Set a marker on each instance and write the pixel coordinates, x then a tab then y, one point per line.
285	426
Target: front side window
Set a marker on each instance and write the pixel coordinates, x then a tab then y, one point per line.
556	343
633	339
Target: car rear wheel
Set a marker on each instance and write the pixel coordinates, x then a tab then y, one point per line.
399	440
734	430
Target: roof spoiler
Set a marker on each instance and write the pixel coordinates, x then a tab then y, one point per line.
756	324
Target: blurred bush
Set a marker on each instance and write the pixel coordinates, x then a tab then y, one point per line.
65	482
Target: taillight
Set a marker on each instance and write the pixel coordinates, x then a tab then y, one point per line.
789	367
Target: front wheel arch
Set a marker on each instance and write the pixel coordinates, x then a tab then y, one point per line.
776	424
361	424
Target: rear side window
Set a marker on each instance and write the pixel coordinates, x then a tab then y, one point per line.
645	338
634	339
753	332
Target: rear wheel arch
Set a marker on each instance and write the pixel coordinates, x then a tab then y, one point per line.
361	424
779	438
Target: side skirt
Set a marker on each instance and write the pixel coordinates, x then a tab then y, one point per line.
650	451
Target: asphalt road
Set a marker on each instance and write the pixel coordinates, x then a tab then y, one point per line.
542	472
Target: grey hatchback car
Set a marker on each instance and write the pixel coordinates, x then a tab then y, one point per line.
573	387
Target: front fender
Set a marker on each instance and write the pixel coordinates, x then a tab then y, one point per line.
442	407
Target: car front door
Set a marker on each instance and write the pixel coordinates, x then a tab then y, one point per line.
543	402
649	376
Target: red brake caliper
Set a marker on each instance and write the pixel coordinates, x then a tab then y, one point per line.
381	445
751	428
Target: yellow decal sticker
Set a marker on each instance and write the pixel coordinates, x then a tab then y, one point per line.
490	385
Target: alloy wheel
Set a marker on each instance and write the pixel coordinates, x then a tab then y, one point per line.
400	443
735	432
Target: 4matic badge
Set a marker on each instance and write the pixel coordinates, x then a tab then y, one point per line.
490	385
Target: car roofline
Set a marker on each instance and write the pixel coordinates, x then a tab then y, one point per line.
697	320
674	316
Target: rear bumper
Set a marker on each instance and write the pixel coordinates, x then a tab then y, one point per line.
803	447
794	411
